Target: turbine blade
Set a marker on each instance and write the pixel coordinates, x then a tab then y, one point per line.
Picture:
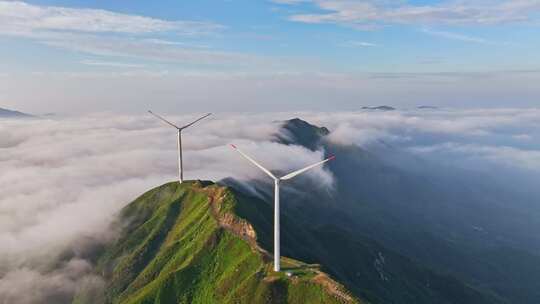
198	119
164	120
254	162
295	173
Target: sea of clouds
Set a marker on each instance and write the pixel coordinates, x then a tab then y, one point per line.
63	179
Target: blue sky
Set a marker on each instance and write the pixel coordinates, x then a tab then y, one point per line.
80	56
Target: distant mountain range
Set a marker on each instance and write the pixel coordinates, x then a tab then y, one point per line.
380	108
389	108
5	113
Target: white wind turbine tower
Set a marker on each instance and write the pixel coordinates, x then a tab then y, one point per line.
277	181
180	160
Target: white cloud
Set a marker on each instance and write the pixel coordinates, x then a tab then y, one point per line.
524	137
204	89
488	138
370	14
23	18
289	1
456	36
29	286
111	64
359	44
472	123
169	42
110	34
148	49
63	180
500	155
89	168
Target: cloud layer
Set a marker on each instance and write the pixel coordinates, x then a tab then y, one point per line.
496	141
100	32
370	14
292	91
20	18
64	179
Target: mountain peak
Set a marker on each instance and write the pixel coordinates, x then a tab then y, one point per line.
380	108
6	113
300	132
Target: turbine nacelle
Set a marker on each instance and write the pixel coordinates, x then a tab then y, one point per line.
180	158
175	126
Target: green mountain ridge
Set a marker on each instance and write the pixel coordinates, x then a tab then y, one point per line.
184	243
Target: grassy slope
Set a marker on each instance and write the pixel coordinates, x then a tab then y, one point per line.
184	244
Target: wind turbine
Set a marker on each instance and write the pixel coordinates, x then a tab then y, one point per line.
277	181
180	160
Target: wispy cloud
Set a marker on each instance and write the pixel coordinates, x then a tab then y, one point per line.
112	64
148	49
289	1
456	36
110	34
177	43
372	13
19	18
506	155
359	44
107	34
264	89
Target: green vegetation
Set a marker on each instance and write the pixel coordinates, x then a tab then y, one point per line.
183	243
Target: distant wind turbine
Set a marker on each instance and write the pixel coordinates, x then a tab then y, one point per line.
277	181
180	160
